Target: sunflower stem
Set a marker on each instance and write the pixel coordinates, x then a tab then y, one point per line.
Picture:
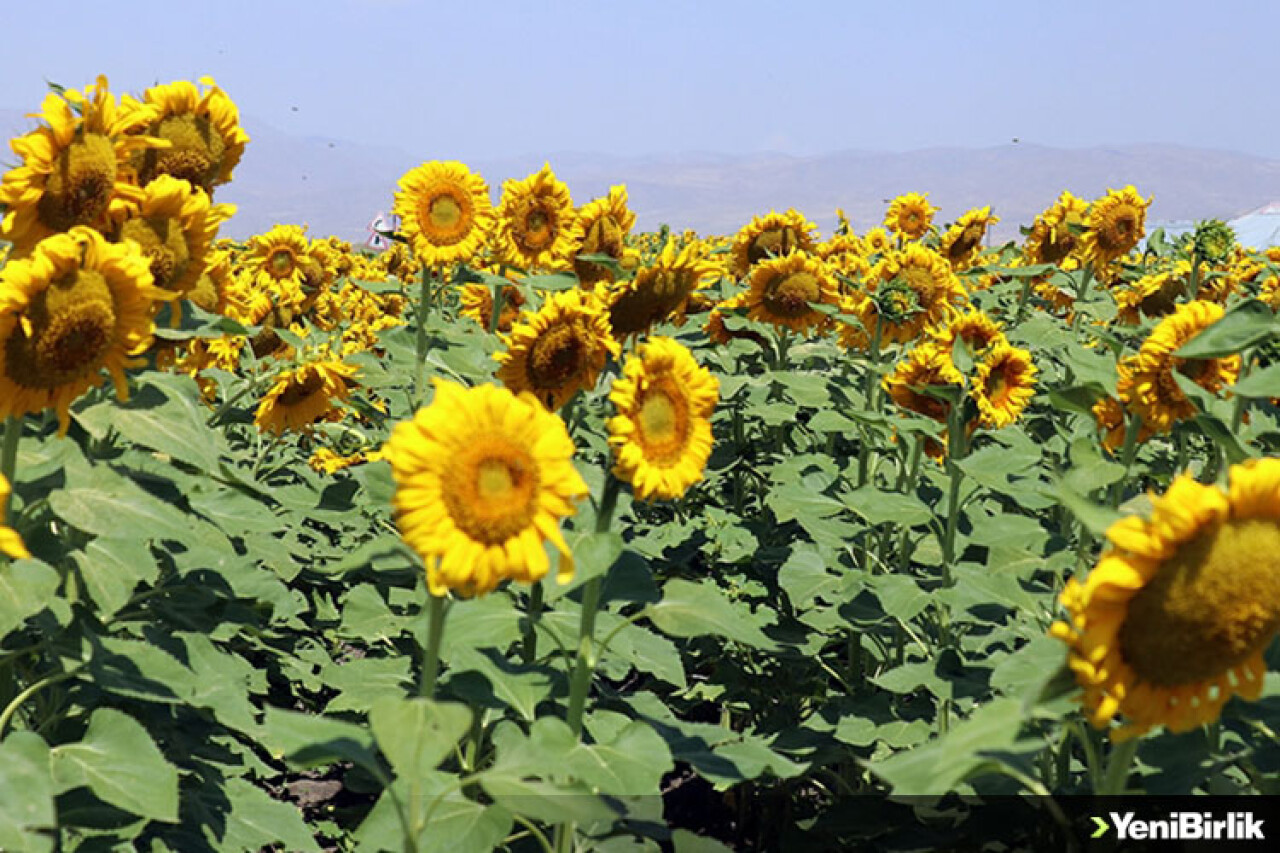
424	311
1133	426
955	452
499	302
1022	301
436	613
529	645
9	457
1118	764
1085	280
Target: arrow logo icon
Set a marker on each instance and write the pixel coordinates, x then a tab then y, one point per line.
1102	827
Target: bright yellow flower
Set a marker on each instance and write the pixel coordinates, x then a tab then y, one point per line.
11	544
202	128
76	306
926	365
302	395
1114	225
535	222
661	436
1054	237
963	240
601	229
784	290
910	215
1174	619
658	291
445	211
483	478
772	236
558	351
1004	385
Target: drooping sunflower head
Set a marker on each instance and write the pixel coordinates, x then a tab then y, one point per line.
445	211
1174	619
1154	295
601	228
1114	225
558	351
913	288
1003	385
658	291
963	240
73	166
783	291
304	394
76	306
770	236
1055	234
174	224
661	436
477	303
925	366
535	222
483	478
1147	385
910	215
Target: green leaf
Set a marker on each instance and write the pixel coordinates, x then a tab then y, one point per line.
804	577
1260	383
256	821
120	763
1222	436
165	414
547	801
691	609
416	734
1247	324
519	686
1077	398
105	512
28	819
877	507
937	767
454	823
1096	518
306	740
26	588
113	568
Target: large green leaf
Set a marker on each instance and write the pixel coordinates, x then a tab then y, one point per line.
27	814
690	609
1246	324
26	588
416	734
113	568
120	763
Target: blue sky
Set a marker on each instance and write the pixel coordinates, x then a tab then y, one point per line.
487	79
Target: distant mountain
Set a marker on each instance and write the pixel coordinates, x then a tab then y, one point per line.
336	186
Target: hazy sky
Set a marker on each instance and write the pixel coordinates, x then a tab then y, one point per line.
484	79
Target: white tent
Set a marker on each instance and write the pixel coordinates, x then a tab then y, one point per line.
1259	228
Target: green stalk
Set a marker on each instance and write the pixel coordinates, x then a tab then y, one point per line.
424	311
1133	426
9	457
871	396
955	452
590	604
436	613
1022	300
499	302
1118	764
529	644
1085	280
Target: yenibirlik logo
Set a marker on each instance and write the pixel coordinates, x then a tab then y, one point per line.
1183	826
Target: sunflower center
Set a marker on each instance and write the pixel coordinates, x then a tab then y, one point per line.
280	262
79	188
772	243
491	490
790	296
1120	233
537	231
557	355
1210	606
663	423
163	243
297	392
195	153
72	326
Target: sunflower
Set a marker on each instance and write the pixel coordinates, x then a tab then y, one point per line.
1054	237
978	331
445	211
11	544
77	305
1155	294
174	224
770	236
535	222
659	291
277	262
784	290
661	436
1175	617
72	169
202	128
1147	386
1003	385
483	478
302	395
908	290
558	351
601	228
910	215
1114	225
477	303
926	365
210	291
877	242
963	240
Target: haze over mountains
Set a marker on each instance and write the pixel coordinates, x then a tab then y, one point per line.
336	186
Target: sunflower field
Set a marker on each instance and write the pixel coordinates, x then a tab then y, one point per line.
536	533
